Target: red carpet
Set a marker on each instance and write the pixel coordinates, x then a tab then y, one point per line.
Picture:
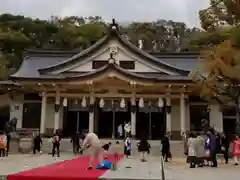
75	169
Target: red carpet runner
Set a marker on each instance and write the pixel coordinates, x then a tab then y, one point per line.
75	169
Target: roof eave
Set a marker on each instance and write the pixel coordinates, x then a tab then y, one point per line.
100	71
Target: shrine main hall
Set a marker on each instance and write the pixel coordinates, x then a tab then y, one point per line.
108	84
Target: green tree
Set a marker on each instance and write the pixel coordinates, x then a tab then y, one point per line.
220	12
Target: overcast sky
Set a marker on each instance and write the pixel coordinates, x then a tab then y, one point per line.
123	10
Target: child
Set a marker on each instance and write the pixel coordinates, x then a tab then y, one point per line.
128	146
56	144
3	145
236	150
106	148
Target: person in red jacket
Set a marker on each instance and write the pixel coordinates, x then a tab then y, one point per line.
236	150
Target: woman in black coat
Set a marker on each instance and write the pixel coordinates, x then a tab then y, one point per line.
144	148
165	147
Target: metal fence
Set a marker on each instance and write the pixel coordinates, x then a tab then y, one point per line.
163	169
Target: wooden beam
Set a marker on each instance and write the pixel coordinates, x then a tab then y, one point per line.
113	95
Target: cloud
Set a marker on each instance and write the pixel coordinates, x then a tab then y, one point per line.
123	10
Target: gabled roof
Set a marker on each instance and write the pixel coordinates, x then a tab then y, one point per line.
39	63
114	33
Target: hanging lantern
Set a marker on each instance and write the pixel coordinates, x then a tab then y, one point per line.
160	102
65	102
92	100
76	101
84	102
122	103
101	103
141	103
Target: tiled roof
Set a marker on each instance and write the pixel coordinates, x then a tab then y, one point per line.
112	67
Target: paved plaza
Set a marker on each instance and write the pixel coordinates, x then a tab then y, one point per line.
176	170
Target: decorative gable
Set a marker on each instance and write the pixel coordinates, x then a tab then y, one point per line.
121	54
124	54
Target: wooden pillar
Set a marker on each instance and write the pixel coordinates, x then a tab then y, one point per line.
57	111
43	113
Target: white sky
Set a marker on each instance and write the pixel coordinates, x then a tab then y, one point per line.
122	10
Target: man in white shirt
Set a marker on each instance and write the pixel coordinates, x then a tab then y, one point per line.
120	130
127	129
92	141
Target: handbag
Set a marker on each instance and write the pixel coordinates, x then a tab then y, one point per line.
223	148
208	153
169	155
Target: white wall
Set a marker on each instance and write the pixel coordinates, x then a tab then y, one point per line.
216	117
16	110
49	121
123	54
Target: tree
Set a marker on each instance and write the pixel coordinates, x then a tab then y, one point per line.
4	70
222	55
202	40
221	83
18	33
220	12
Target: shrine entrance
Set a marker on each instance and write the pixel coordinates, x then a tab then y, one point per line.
76	119
150	120
110	117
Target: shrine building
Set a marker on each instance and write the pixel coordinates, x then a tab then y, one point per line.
108	84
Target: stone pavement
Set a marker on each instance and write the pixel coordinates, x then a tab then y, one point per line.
16	163
176	170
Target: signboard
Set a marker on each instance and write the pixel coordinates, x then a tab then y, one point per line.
150	109
144	109
77	107
120	109
108	106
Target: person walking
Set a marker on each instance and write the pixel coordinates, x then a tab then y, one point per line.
8	142
213	149
56	144
207	149
120	130
236	150
127	129
165	147
192	145
37	142
200	152
144	148
128	146
225	147
76	140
